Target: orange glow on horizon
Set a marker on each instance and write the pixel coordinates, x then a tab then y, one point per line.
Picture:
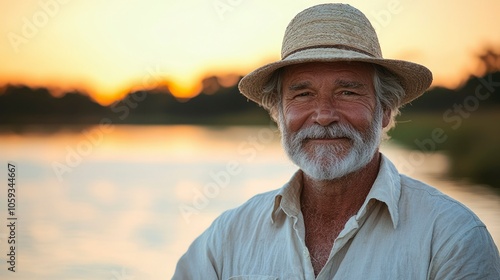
188	89
106	100
184	90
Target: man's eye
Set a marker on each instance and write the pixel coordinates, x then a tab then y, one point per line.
303	94
346	92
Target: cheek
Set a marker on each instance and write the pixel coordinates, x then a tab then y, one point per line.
360	116
295	118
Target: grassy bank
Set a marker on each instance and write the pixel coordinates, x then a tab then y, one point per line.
470	139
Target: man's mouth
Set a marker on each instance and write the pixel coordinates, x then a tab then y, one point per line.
326	139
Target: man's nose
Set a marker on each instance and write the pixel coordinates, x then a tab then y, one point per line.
325	113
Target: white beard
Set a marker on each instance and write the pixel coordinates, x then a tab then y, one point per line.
326	162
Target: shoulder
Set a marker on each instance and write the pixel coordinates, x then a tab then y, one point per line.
454	232
460	245
254	210
446	224
420	197
209	250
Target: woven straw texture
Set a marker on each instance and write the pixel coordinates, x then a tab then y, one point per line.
335	32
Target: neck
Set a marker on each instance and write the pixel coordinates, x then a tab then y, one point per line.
328	205
341	196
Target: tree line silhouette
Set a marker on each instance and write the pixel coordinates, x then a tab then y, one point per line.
23	105
216	104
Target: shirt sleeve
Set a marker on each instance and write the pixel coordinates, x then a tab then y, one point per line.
202	259
472	255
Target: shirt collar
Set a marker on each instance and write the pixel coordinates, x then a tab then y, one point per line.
386	189
288	198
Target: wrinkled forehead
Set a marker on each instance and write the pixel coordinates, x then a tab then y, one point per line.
339	73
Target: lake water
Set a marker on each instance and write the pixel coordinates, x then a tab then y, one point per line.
125	202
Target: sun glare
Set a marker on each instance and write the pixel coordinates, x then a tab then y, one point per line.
184	90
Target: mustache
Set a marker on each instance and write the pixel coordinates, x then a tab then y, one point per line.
328	132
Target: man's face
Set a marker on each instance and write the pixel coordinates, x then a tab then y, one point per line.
330	118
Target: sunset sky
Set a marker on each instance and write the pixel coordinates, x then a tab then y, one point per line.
107	48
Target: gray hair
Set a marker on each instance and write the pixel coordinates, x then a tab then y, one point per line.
272	95
390	93
388	90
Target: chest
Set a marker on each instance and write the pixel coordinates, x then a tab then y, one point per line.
369	250
319	237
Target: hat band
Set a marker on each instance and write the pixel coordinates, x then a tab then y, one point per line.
340	47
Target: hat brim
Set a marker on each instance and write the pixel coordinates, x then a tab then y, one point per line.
414	78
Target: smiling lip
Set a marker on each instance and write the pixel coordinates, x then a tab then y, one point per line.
326	139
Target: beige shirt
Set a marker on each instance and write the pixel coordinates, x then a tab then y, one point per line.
404	230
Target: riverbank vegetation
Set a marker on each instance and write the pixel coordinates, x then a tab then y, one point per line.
463	123
473	147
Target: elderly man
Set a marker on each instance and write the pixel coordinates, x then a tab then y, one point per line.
347	213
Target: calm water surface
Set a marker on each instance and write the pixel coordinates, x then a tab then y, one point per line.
124	202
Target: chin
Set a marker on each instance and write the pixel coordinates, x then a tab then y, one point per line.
326	175
324	165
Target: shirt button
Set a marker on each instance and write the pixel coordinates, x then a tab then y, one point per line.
306	253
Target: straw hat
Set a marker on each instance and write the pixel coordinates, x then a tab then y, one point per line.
329	33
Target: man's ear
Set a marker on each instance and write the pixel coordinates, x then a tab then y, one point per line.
386	117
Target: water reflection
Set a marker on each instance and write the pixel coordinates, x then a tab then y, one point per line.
133	199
